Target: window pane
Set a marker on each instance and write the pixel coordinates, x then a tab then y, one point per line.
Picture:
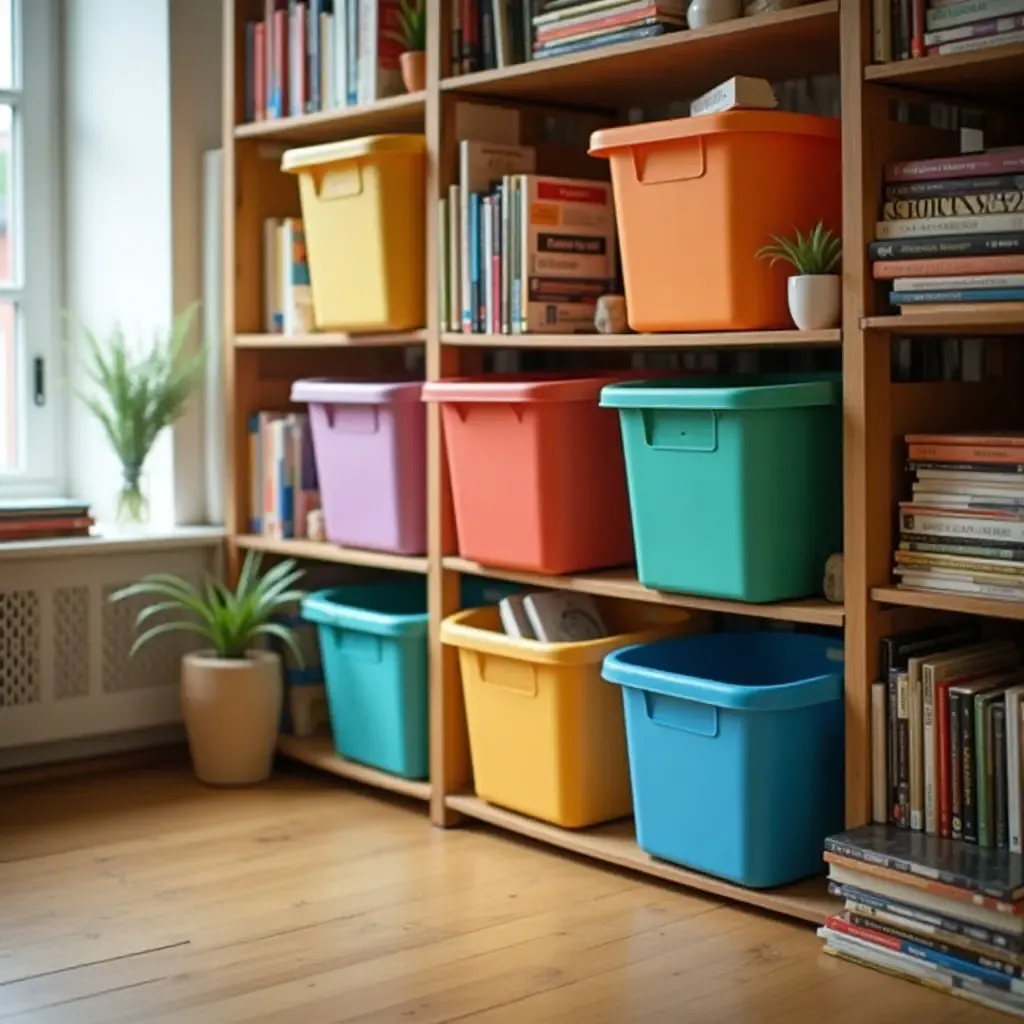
6	196
6	47
11	395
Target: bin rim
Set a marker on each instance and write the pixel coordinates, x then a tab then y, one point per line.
294	161
516	388
457	631
323	609
607	141
722	392
329	391
822	688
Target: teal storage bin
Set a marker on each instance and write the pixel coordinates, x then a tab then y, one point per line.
736	750
373	647
735	482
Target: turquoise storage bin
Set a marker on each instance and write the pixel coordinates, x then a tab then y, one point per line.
373	647
735	751
735	483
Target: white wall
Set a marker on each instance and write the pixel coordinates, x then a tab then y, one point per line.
142	103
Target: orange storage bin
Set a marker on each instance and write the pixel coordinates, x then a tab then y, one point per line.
538	481
695	198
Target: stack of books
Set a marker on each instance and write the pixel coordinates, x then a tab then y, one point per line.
963	529
523	252
941	914
952	232
44	519
287	294
571	26
904	29
306	56
282	475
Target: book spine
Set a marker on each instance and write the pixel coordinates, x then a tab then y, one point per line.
470	37
957	548
975	30
982	771
917	29
943	757
965	225
956	760
916	724
973	205
965	13
1004	161
497	202
953	452
255	476
892	732
931	788
260	72
903	749
968	755
278	104
999	780
881	24
879	797
581	45
1011	243
314	56
956	186
905	27
978	40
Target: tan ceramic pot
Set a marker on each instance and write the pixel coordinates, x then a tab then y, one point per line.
414	70
232	712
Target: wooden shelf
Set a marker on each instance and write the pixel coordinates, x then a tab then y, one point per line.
319	752
622	583
316	551
586	342
994	321
615	844
796	43
395	114
990	74
329	339
964	604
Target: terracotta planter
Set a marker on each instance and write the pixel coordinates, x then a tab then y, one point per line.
232	712
414	70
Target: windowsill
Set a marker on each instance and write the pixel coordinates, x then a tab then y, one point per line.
104	538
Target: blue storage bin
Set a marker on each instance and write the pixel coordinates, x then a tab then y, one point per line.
735	751
373	646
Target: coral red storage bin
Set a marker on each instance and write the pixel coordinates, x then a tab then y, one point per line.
537	473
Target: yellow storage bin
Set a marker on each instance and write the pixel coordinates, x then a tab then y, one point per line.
363	204
546	733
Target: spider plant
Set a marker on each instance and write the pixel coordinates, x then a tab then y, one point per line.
412	22
231	620
817	252
137	391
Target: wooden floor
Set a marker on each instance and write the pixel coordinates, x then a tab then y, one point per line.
147	898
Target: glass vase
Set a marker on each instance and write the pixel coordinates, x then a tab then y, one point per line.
132	504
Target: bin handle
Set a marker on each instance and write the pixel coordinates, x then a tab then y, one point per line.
679	443
519	691
338	182
681	714
461	409
354	414
683	160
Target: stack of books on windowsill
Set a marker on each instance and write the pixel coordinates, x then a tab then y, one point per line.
963	529
44	519
904	29
951	236
570	26
942	914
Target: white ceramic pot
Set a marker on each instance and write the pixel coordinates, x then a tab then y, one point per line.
815	301
702	13
232	712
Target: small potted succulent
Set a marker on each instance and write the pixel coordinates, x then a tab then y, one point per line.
814	292
232	691
412	35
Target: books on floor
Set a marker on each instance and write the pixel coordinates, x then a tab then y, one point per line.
962	531
282	475
44	519
305	56
952	232
905	29
940	913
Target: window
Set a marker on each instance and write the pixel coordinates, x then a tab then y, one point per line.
30	285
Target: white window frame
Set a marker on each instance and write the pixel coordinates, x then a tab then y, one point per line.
35	228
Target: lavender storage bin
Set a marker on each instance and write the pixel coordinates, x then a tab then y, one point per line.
369	440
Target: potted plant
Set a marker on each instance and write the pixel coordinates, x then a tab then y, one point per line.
137	392
814	292
412	35
231	693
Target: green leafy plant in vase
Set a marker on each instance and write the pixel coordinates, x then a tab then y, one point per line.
814	292
232	690
412	36
136	392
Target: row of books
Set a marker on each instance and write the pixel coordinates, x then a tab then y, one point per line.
44	519
305	56
962	531
523	252
941	914
287	294
952	232
905	29
921	360
574	27
283	486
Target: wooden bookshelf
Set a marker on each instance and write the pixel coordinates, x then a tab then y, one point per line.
816	38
